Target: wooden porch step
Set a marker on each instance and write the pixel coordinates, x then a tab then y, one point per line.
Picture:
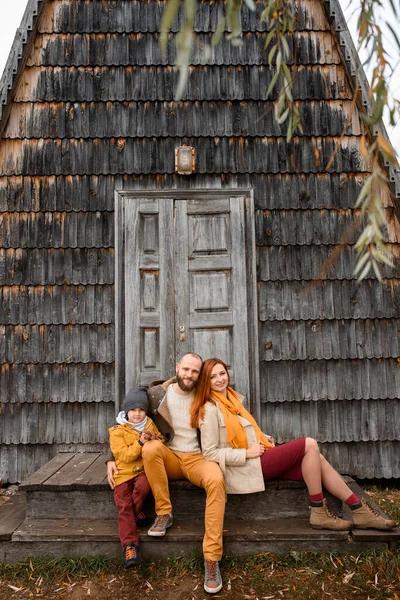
70	510
12	514
240	537
66	486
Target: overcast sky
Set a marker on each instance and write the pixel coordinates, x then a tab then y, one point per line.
11	14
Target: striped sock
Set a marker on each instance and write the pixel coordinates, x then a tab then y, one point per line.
317	499
353	502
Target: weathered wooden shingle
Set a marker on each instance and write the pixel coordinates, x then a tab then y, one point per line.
165	119
91	193
56	304
368	459
308	227
96	83
327	339
30	344
57	267
57	230
315	262
54	422
43	382
143	49
354	421
75	16
346	299
316	380
156	155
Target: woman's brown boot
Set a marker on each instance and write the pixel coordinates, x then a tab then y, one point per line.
322	518
366	517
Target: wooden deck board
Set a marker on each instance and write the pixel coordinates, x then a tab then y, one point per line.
12	514
40	477
181	530
73	471
96	473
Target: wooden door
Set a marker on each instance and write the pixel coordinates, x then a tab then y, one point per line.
185	282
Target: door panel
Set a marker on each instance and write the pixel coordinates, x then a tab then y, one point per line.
149	292
211	298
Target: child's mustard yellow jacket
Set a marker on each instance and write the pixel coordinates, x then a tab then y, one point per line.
124	444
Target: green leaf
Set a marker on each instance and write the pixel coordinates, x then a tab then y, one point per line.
269	37
288	75
385	259
364	192
273	83
361	262
394	34
206	55
250	4
216	38
282	118
272	54
376	269
285	46
190	12
182	81
289	134
365	271
169	14
281	103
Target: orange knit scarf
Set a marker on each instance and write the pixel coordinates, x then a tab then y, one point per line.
231	407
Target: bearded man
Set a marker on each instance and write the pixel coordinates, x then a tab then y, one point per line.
181	458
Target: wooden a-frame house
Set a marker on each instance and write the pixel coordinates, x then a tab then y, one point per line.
112	264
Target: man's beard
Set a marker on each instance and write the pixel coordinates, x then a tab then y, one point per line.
184	386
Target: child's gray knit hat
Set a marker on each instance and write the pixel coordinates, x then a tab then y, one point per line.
136	398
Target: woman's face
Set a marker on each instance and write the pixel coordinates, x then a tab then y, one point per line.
219	379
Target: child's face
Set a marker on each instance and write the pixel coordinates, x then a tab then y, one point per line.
135	415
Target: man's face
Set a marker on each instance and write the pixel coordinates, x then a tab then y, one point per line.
187	372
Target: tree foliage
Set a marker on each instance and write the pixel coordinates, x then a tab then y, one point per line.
280	22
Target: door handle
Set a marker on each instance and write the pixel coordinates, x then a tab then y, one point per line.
182	336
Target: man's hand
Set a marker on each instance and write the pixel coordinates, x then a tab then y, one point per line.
111	471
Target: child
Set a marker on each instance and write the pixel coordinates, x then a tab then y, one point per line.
127	438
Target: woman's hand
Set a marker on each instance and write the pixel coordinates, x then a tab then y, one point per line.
255	450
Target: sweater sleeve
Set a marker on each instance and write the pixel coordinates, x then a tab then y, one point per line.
211	446
121	450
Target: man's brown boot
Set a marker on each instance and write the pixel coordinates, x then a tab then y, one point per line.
366	517
322	518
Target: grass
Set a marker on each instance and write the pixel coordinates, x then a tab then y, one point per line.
60	567
300	575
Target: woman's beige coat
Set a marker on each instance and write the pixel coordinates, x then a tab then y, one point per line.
242	475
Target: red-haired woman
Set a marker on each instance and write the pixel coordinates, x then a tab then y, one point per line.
231	437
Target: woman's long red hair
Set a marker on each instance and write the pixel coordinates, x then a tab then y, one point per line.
203	390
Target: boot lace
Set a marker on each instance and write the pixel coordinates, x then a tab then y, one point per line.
330	514
161	520
369	507
212	570
130	552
